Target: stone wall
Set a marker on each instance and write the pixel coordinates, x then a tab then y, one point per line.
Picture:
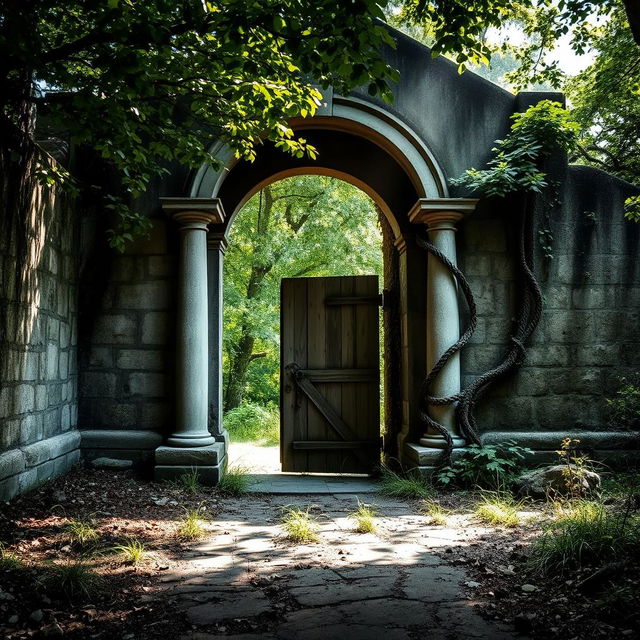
38	373
589	334
127	342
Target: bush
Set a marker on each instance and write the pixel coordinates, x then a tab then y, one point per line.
624	408
252	423
487	467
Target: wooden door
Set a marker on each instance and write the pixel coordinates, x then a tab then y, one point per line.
329	374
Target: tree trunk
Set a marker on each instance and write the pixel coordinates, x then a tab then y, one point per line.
238	369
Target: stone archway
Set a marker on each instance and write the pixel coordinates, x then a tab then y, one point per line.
374	150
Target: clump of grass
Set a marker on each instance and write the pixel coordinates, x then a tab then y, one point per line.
76	580
409	485
364	518
190	527
81	532
133	551
499	508
189	481
299	525
234	482
435	511
8	560
585	533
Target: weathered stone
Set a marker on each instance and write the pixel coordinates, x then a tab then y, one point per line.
11	463
246	604
156	328
153	295
540	482
140	359
94	384
111	463
151	385
23	399
114	329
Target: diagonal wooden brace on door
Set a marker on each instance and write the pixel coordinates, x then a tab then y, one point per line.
331	416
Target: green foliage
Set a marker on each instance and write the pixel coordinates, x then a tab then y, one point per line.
621	485
286	231
498	507
252	423
624	408
534	134
76	580
133	551
585	533
189	481
8	560
606	103
151	82
487	467
234	482
364	518
190	526
81	532
408	485
436	512
299	525
575	464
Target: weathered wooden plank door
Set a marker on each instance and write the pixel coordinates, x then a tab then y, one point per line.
329	374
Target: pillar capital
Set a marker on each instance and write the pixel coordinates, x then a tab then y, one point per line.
194	213
441	213
217	238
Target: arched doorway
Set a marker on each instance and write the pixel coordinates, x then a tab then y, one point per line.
371	148
301	253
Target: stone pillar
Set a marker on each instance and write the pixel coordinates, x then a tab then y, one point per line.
440	216
216	246
191	444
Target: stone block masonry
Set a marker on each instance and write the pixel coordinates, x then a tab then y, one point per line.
127	340
38	370
589	334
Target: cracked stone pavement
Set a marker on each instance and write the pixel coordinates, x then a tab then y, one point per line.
244	580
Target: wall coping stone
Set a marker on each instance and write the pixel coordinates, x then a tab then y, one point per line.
119	439
550	440
16	460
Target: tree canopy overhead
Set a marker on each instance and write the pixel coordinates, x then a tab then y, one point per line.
144	82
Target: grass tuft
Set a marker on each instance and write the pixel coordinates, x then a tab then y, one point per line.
435	511
76	580
189	481
409	485
8	560
585	533
133	551
234	482
81	532
190	526
299	525
499	508
364	518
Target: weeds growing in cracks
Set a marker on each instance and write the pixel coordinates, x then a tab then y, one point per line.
299	525
364	518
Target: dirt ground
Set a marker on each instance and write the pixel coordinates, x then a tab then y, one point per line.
243	579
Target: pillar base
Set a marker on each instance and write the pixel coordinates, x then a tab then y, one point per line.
438	442
178	440
425	460
210	463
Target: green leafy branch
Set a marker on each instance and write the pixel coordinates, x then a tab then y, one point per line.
516	166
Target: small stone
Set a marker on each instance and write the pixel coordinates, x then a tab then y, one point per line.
528	588
13	620
6	596
54	631
36	615
472	584
59	496
45	600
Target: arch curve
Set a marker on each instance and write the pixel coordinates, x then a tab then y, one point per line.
357	142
